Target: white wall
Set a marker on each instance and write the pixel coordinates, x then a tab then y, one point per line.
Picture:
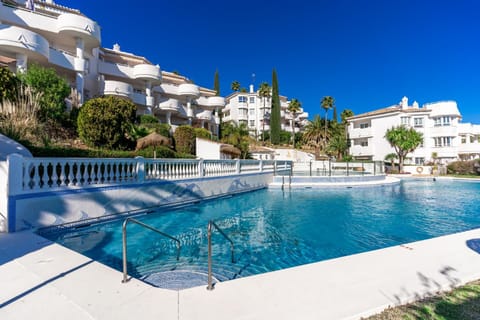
206	149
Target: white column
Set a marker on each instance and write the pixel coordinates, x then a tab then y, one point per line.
169	117
79	79
189	111
21	62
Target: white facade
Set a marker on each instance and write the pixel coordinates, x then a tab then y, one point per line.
439	122
254	111
64	39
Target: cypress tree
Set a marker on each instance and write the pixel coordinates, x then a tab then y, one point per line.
275	115
216	84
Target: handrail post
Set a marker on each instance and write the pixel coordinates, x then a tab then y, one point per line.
212	224
124	250
209	235
124	242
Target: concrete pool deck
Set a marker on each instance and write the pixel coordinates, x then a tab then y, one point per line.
43	280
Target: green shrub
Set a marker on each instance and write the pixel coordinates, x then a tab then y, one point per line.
54	90
159	152
202	133
8	85
184	137
107	122
147	119
160	128
464	167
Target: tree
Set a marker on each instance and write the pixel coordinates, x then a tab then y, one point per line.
337	146
184	137
294	107
327	104
8	85
275	125
313	134
391	157
347	113
235	86
264	93
404	140
107	122
237	136
334	116
216	83
54	91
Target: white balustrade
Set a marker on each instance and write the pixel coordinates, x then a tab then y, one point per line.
43	174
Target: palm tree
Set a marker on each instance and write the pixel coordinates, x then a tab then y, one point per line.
327	103
265	92
337	146
313	134
391	157
235	86
294	107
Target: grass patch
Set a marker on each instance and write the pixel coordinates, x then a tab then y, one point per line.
462	303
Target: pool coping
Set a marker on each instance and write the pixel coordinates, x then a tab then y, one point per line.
35	272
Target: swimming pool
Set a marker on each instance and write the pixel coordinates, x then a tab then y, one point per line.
274	229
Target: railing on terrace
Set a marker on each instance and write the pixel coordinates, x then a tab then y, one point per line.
27	175
334	168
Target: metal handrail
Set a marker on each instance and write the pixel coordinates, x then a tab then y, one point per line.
124	242
212	224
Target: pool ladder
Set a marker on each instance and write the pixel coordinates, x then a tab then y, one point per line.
212	225
124	242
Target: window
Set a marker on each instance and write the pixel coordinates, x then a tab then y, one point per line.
251	112
242	99
464	139
419	161
443	141
446	121
364	125
438	121
252	99
418	122
243	113
252	123
405	121
472	139
364	143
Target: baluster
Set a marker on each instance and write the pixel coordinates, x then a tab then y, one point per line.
35	181
71	175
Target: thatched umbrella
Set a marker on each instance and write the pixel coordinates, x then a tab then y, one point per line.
153	139
229	149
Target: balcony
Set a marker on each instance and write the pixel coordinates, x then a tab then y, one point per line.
170	105
204	115
242	116
188	90
19	40
114	69
360	133
357	151
216	102
139	98
75	25
147	72
117	88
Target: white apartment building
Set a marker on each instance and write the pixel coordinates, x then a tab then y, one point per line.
254	111
62	38
439	122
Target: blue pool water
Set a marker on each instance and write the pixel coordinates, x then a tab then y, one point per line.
275	229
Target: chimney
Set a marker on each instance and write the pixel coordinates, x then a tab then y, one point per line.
415	105
116	47
251	88
404	103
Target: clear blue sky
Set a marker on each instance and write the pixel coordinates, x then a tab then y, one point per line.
367	54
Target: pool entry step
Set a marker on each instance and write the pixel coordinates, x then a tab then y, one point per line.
177	280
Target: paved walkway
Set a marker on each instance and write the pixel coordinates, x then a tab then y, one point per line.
42	280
